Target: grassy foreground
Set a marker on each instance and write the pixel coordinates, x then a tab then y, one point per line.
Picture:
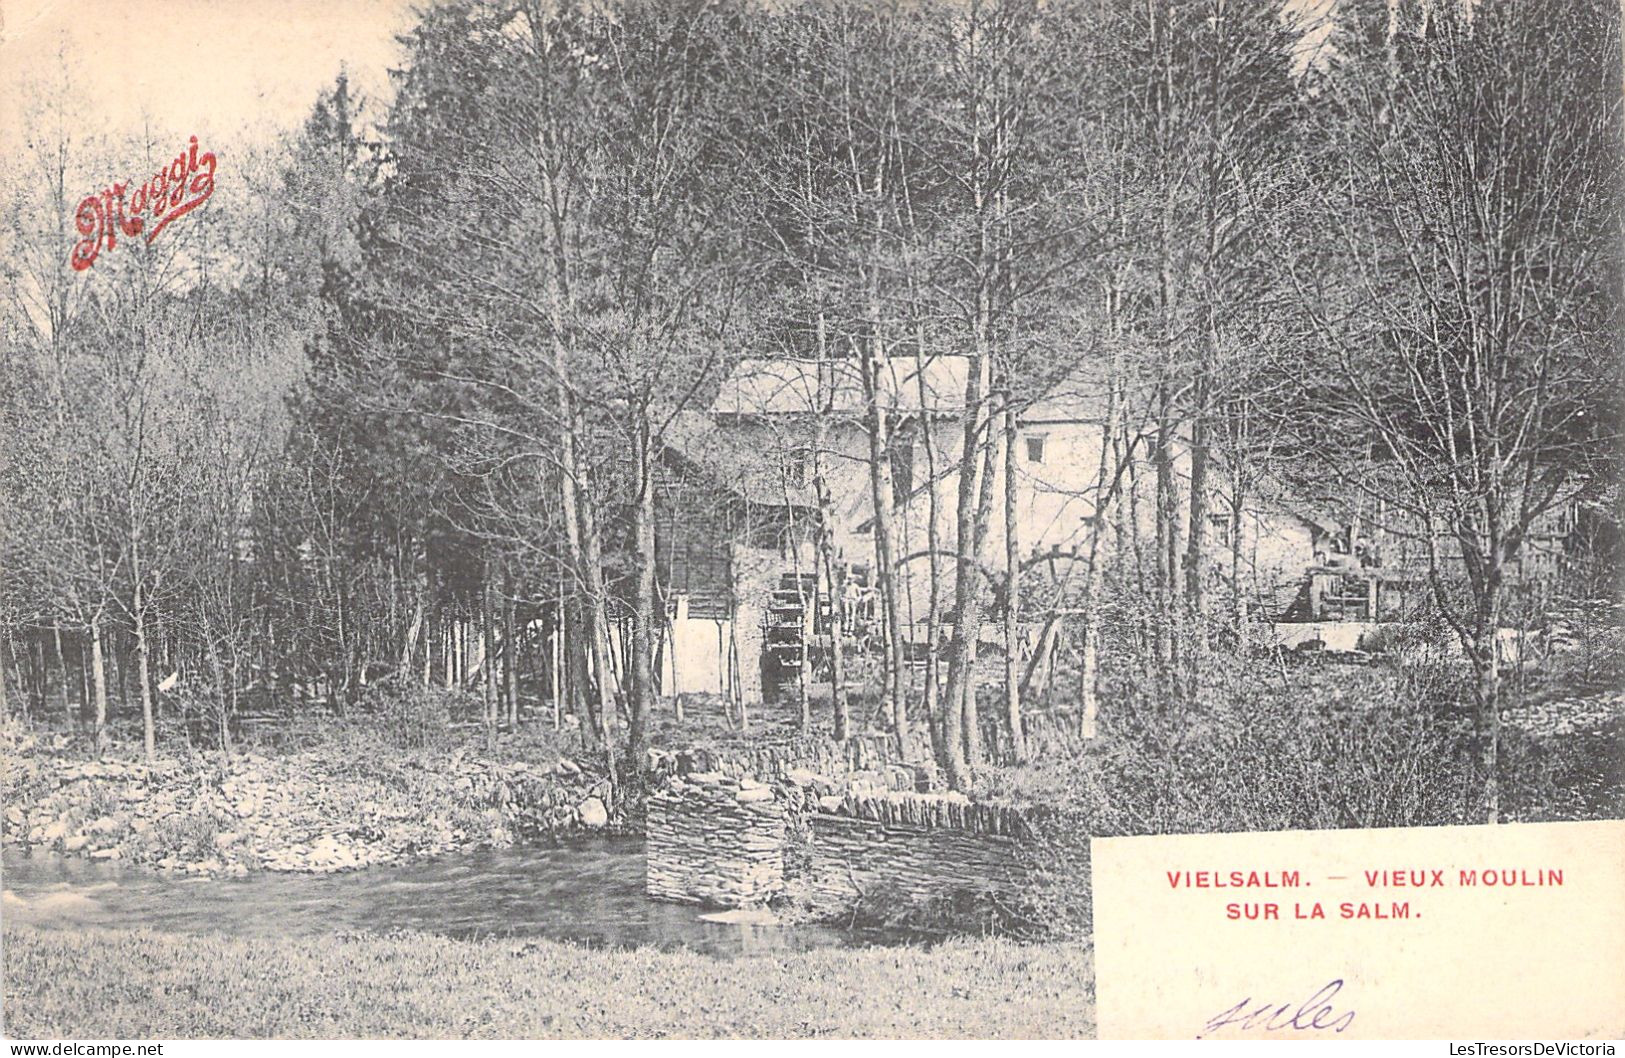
147	985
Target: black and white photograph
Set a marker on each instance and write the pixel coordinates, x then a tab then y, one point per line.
812	519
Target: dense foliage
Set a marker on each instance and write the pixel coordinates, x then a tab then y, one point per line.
412	394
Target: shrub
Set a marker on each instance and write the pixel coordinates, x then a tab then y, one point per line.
187	837
1426	661
24	776
417	717
98	800
1578	776
1342	747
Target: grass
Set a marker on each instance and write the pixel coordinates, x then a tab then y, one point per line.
96	985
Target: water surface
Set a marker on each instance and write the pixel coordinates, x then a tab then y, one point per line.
590	892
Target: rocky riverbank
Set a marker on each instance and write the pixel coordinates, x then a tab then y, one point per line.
313	811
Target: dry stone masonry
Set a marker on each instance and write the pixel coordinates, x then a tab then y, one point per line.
715	840
840	852
914	857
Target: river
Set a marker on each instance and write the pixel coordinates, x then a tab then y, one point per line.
589	891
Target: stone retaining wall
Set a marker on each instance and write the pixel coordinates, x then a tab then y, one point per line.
915	857
715	840
880	857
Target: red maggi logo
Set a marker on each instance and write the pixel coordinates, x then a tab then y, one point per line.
174	191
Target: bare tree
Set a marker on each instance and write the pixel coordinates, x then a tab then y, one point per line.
1469	309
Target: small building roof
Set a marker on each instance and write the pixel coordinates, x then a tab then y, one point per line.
728	462
1078	396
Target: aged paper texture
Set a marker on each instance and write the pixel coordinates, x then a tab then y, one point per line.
1466	932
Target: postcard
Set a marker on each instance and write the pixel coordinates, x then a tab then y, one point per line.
811	519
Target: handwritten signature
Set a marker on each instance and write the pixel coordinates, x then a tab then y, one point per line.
1315	1014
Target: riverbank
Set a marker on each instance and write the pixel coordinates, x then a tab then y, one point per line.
145	985
336	806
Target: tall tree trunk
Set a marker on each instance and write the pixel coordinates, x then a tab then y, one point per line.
1476	634
962	652
732	657
62	669
409	642
1167	503
1238	600
1196	530
834	568
98	674
1196	541
488	630
596	602
991	456
1012	609
575	494
1167	539
1487	700
149	740
1108	475
222	707
585	605
1487	674
577	653
880	487
430	642
87	697
5	666
143	675
641	705
42	675
510	650
557	653
121	661
835	586
933	544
